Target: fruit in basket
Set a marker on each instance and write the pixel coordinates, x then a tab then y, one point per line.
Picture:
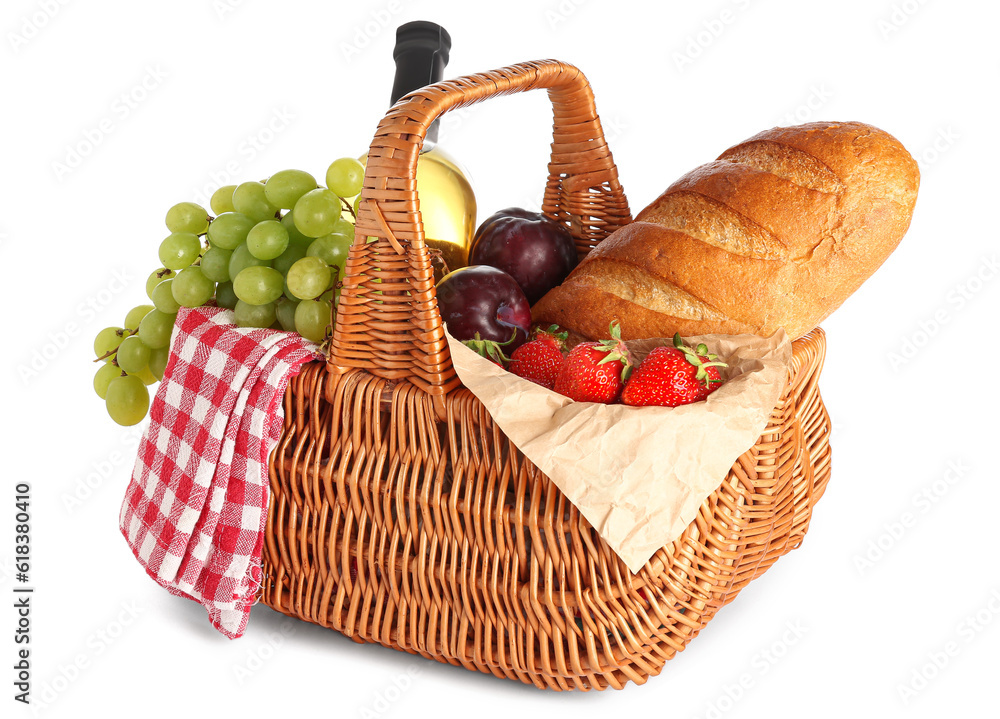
187	217
155	278
222	200
104	377
259	285
332	248
309	278
155	329
540	359
215	265
316	212
163	298
132	355
345	176
536	251
311	318
250	200
267	240
271	244
107	341
484	301
127	400
179	249
283	189
158	361
672	376
251	315
596	371
191	288
229	230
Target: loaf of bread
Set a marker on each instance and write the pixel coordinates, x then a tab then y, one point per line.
777	232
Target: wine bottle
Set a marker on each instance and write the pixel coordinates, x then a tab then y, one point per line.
447	201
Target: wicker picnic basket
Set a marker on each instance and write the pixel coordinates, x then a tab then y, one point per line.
401	514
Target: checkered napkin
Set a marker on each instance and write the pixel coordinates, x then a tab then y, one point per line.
195	510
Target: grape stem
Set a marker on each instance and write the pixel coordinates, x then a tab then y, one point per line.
324	346
350	208
120	333
437	258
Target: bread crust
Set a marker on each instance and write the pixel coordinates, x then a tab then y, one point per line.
777	232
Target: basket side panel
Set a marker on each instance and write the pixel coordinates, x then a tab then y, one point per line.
437	537
441	539
740	530
812	471
761	511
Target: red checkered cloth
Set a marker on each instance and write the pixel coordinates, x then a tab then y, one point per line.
195	510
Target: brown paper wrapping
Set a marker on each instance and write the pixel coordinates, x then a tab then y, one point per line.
638	474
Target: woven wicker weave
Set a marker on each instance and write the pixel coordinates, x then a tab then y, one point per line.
400	513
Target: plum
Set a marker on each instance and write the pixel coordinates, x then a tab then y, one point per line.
536	251
484	301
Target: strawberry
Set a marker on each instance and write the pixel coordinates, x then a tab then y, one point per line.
540	359
672	376
595	371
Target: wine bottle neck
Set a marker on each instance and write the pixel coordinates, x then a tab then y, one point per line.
421	54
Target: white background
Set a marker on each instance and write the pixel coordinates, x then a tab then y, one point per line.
906	380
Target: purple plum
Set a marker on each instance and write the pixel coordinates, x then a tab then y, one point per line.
531	248
483	300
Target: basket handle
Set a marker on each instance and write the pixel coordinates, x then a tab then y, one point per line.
387	321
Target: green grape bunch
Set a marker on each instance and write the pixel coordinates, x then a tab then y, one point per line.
273	253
